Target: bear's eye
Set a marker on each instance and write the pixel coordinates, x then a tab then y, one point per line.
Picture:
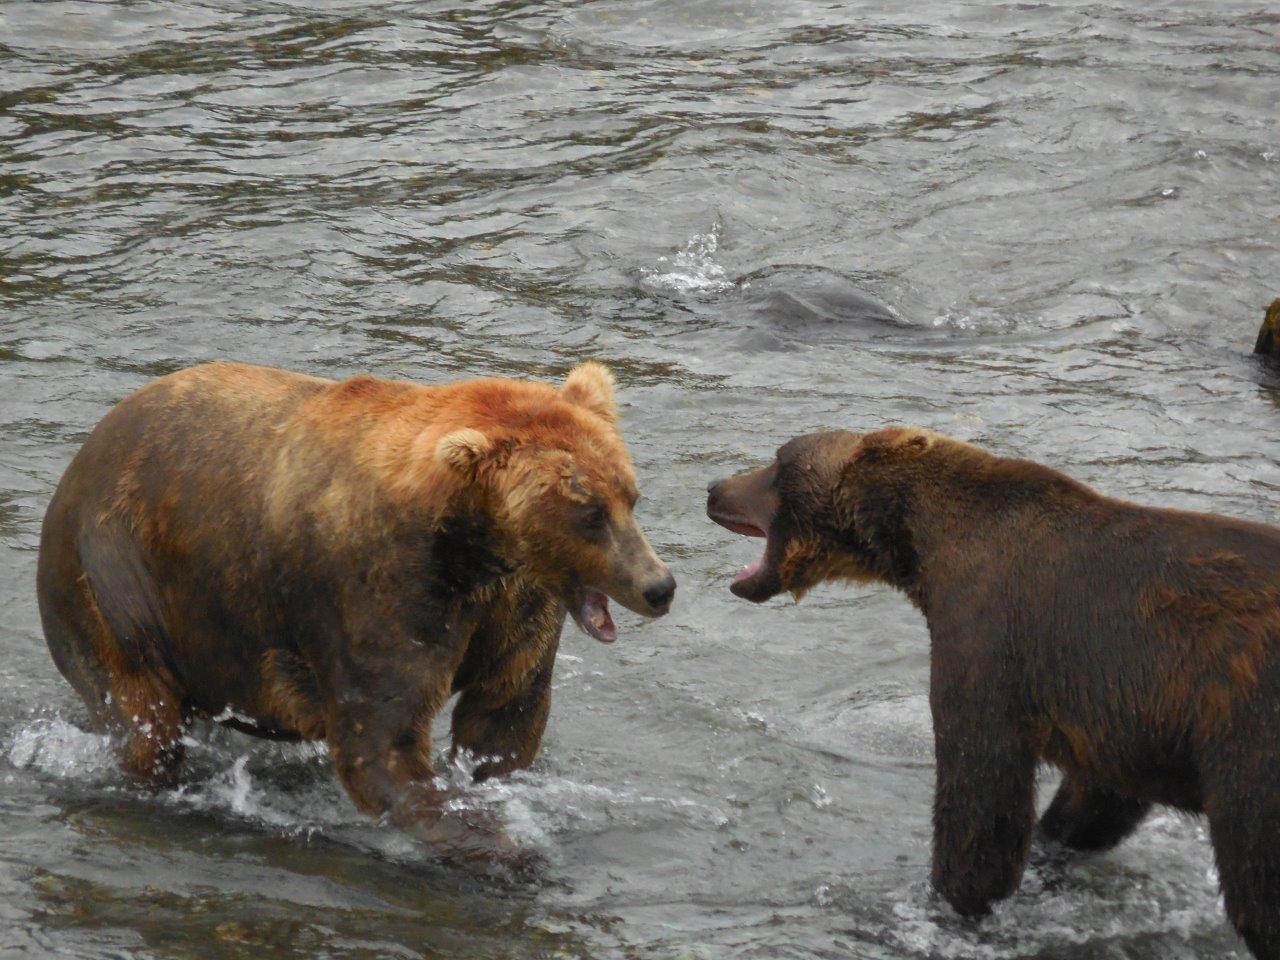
595	517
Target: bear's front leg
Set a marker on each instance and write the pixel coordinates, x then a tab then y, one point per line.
379	732
984	802
501	722
983	814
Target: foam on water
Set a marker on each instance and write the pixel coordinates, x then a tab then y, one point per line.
237	785
290	789
56	748
975	322
1081	900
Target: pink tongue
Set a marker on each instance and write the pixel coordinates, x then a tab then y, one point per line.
749	571
596	612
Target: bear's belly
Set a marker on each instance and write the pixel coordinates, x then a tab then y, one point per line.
248	686
1162	773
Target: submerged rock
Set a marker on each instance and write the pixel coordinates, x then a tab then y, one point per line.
1269	336
803	296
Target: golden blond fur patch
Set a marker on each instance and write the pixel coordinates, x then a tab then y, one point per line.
463	449
809	562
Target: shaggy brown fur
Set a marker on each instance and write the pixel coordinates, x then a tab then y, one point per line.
302	558
1136	649
1268	342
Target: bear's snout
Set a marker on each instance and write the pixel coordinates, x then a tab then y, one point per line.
716	497
658	595
742	503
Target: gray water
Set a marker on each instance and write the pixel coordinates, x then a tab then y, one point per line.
1065	215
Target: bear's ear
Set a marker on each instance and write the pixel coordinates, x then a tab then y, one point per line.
892	443
590	385
464	449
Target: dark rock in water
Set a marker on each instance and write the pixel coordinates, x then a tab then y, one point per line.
800	296
785	306
1269	336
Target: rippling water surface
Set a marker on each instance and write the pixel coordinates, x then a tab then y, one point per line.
1063	218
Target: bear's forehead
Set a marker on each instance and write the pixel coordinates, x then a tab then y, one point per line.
616	483
811	447
600	469
598	457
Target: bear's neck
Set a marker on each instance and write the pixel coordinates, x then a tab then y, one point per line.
468	553
956	521
885	545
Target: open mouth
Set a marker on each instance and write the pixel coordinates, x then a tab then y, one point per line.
592	615
739	526
749	572
756	581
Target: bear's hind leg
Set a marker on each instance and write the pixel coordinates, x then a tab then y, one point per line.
1242	802
107	623
1246	845
1087	818
153	721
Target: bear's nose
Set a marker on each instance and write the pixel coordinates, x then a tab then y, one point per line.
659	595
715	491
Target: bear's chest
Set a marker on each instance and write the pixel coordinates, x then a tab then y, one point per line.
463	558
515	637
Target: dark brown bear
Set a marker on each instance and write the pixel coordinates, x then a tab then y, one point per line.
1134	648
301	558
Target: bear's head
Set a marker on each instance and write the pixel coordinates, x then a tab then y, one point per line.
551	468
831	506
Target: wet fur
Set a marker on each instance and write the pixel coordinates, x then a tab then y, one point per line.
297	551
1136	649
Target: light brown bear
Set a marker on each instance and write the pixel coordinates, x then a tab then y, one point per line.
306	559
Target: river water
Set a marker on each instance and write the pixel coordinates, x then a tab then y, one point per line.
1067	216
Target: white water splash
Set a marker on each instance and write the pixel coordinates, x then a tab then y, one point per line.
983	323
53	747
1042	924
535	806
693	269
56	748
1094	901
288	789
